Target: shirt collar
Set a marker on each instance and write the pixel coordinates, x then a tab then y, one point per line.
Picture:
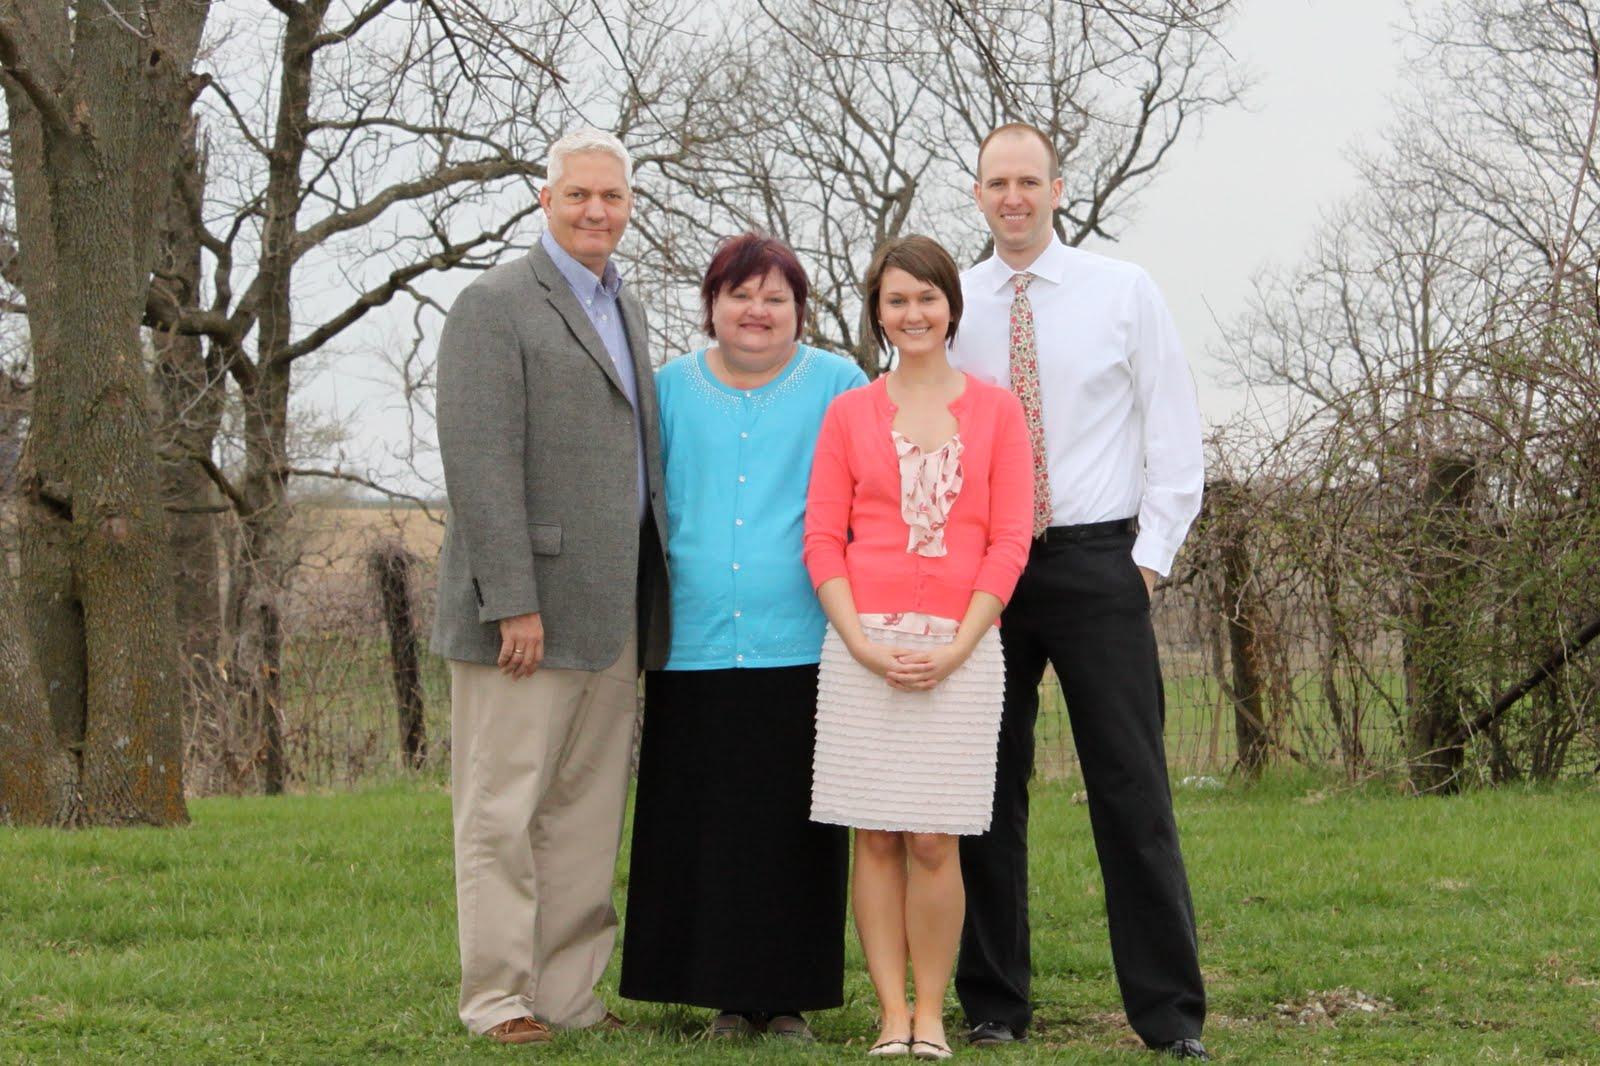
1051	266
580	277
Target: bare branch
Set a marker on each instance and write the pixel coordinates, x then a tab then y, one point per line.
475	172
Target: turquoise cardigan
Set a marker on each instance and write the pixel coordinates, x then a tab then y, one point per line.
737	466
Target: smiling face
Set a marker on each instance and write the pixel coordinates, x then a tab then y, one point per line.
915	314
588	208
756	317
1017	195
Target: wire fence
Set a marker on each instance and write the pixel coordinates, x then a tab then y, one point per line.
342	726
1344	714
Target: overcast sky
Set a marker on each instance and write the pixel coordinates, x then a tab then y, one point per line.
1250	189
1245	192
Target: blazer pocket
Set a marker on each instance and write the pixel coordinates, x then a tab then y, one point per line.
545	538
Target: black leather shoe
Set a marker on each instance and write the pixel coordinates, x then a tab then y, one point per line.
1187	1048
992	1034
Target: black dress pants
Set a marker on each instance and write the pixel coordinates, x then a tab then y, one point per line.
1081	605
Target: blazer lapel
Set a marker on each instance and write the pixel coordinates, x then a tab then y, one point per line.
565	301
639	350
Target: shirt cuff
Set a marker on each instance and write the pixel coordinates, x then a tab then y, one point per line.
1153	553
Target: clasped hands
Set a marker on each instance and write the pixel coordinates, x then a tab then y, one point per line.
910	669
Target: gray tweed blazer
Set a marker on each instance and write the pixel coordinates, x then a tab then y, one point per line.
537	438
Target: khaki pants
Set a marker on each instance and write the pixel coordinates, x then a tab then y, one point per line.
539	779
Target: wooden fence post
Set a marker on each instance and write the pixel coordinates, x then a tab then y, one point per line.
391	565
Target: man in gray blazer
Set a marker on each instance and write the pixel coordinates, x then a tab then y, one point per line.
552	594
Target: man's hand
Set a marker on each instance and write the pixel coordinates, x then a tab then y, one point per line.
1150	579
521	645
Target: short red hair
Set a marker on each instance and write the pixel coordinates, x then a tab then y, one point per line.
752	255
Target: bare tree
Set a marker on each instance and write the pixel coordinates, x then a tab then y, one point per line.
391	141
96	95
1437	348
838	125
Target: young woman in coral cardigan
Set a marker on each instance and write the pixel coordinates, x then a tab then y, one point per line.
917	527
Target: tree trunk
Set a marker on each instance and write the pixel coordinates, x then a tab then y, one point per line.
190	391
1435	697
1243	612
259	576
90	153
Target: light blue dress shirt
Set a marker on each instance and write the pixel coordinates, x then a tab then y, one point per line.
601	300
737	466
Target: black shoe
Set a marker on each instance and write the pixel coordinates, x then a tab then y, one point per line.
1187	1048
992	1034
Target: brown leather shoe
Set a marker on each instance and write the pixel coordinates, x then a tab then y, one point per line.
520	1031
609	1024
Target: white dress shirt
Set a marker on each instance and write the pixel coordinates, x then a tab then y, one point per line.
1121	418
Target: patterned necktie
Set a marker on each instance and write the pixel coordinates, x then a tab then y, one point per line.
1025	383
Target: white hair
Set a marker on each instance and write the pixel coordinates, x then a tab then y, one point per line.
587	140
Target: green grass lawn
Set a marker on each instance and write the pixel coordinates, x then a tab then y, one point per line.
320	929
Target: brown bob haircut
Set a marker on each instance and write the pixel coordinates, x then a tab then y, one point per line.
748	256
924	259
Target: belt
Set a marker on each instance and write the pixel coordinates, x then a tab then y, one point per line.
1089	530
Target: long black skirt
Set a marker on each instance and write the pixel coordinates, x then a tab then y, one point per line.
736	899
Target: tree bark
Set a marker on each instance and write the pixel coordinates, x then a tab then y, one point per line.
38	776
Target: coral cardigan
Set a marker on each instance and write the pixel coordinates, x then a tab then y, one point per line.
854	526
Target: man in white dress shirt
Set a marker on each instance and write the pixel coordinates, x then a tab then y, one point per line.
1088	345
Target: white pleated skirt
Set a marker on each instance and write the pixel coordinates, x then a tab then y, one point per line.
919	762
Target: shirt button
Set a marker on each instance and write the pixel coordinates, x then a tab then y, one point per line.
736	566
741	479
744	436
738	521
738	614
738	658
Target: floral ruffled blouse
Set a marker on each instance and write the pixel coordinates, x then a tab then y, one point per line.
930	482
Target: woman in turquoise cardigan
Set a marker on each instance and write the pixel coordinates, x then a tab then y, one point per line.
736	900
